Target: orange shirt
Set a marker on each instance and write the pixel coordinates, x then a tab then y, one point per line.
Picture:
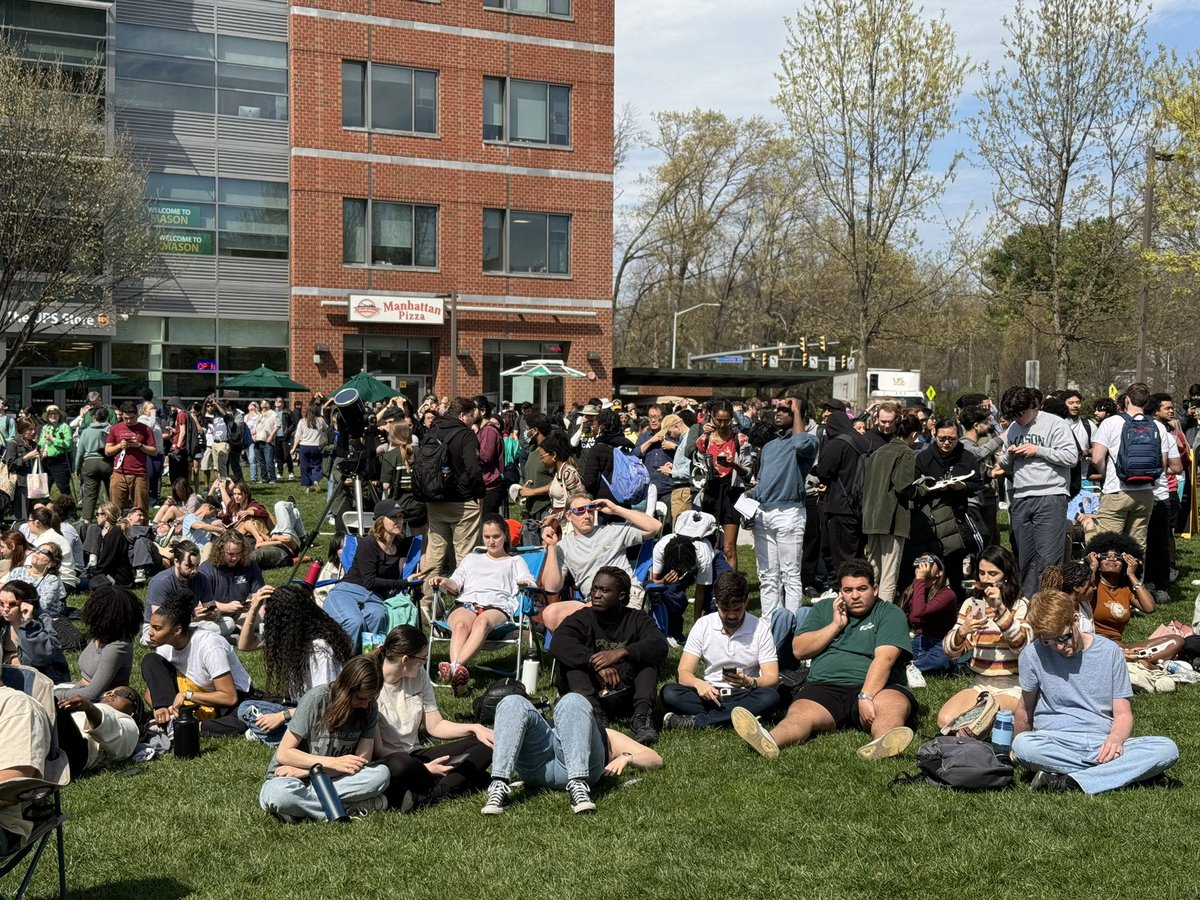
1111	610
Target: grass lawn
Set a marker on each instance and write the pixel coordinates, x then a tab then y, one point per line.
717	821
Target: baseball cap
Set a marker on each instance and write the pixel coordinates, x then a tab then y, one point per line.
667	422
834	404
386	509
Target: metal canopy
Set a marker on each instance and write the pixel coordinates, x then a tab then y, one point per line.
543	368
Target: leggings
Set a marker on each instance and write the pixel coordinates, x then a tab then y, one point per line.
409	772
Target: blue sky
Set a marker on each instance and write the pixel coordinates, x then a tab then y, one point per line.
723	54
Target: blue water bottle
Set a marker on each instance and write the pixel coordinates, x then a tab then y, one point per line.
1002	733
331	803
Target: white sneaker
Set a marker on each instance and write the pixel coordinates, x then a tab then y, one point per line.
371	804
750	730
915	678
891	744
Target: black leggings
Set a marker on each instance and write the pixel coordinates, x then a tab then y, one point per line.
409	772
160	677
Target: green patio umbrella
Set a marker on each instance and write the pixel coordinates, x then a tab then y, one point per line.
370	390
263	379
81	375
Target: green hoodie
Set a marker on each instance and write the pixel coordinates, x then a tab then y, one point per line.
90	444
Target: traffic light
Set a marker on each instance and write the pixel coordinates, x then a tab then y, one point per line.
804	359
803	345
842	361
762	359
824	344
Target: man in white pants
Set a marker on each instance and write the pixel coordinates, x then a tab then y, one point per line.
783	466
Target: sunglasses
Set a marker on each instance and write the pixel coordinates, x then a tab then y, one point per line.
924	561
580	510
1061	641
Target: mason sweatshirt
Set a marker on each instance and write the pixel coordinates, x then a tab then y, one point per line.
1049	472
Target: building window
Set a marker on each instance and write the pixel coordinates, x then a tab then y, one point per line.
526	242
390	98
526	112
200	216
532	7
171	69
393	234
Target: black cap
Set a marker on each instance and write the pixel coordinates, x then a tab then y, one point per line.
385	509
834	404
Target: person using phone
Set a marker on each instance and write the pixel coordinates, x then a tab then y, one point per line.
995	636
741	664
930	604
726	454
423	775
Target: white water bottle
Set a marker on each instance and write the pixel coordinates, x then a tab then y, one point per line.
529	675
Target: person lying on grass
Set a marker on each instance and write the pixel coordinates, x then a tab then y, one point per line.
303	648
1074	722
859	648
334	727
106	730
741	665
572	755
485	586
423	775
193	666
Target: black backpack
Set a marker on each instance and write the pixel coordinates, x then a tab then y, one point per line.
431	470
486	703
961	764
856	483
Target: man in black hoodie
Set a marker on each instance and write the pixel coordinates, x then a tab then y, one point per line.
843	450
458	517
610	653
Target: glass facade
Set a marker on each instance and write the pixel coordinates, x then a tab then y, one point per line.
168	68
499	356
203	216
76	36
526	242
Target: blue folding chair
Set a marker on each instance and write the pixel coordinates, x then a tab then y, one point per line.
642	571
47	817
515	633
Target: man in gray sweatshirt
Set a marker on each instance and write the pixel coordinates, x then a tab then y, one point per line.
1038	454
784	464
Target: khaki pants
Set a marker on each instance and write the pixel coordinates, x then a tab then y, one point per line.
681	502
884	552
1126	512
450	522
129	490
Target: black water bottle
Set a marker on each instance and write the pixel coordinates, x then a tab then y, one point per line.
187	733
331	803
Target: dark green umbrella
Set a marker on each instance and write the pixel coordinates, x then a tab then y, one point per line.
263	379
370	390
81	375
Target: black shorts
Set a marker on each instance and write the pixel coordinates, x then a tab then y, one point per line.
841	702
719	497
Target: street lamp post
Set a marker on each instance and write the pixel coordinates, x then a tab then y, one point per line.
675	327
1152	155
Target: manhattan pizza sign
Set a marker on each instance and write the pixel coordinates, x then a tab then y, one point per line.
397	310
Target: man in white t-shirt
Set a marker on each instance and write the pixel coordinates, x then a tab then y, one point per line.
741	666
1125	506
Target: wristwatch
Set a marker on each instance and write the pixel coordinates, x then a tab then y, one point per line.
187	695
863	695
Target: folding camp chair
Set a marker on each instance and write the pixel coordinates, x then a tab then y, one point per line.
43	809
516	633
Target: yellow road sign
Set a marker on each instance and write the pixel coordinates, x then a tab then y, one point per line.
1112	392
930	393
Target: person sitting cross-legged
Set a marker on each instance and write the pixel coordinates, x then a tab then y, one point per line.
1074	721
610	653
859	648
741	666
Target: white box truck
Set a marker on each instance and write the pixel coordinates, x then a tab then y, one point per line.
901	385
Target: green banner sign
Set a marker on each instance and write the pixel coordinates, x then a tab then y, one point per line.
176	215
196	243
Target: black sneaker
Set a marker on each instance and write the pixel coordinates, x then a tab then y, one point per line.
679	721
580	796
1053	783
643	729
498	797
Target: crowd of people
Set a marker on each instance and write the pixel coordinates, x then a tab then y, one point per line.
876	541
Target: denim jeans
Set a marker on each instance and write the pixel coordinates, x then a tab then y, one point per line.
1074	754
252	458
265	455
928	655
310	465
783	629
680	699
778	546
295	796
250	710
526	745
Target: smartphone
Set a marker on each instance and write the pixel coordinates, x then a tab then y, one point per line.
456	761
728	672
978	607
613	692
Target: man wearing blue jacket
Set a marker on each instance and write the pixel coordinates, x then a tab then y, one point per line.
779	526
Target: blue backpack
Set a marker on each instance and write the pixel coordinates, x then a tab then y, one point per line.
629	477
1139	459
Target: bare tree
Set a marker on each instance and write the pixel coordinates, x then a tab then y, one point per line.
73	223
1063	131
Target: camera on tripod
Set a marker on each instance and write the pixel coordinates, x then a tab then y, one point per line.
357	436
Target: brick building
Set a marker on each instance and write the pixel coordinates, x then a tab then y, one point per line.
451	192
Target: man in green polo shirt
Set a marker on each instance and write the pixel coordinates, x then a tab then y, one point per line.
859	649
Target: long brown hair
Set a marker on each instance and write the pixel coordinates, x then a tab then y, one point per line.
400	437
932	586
360	675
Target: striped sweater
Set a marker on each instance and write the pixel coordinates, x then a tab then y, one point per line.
996	646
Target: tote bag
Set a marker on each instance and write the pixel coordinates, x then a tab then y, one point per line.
37	483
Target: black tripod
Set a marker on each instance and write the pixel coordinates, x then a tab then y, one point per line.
352	467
